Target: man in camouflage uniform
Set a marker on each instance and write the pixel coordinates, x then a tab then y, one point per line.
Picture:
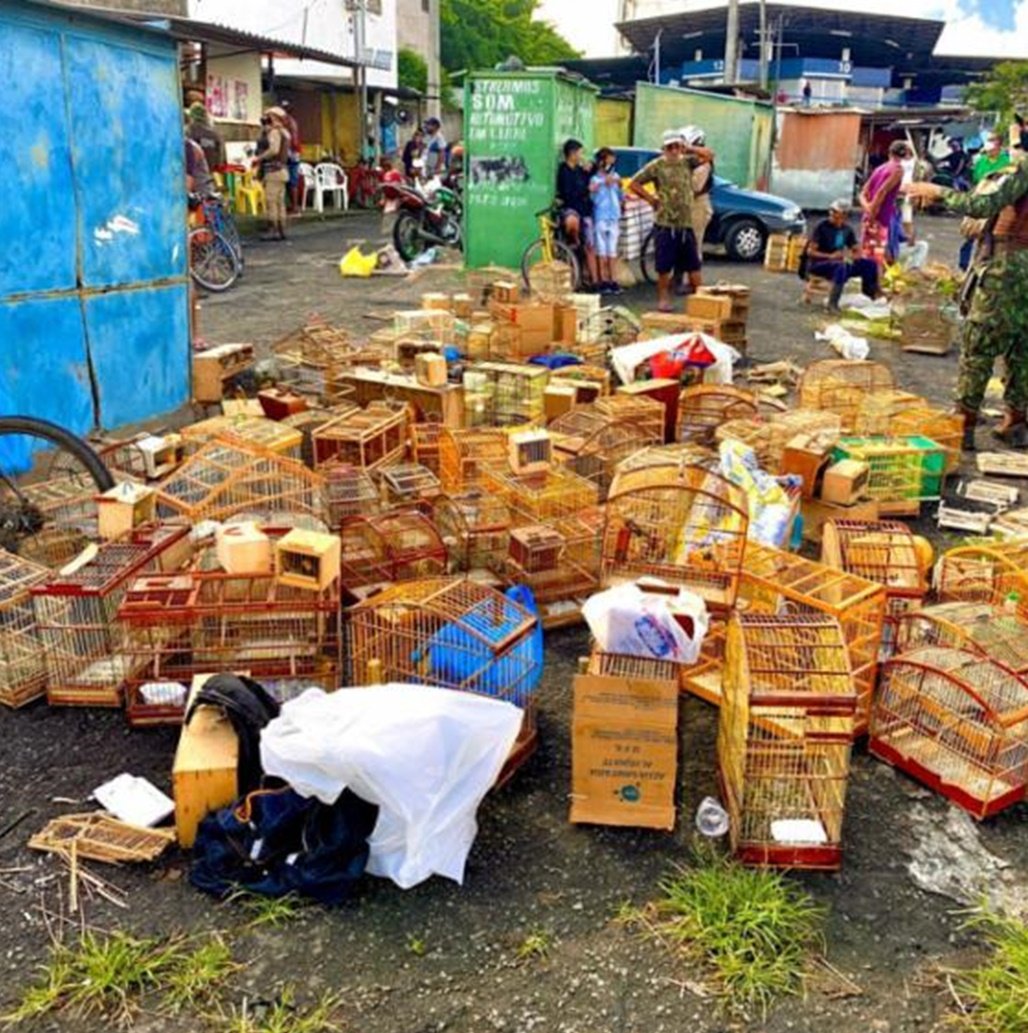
997	321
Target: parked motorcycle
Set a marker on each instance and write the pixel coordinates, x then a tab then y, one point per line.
429	216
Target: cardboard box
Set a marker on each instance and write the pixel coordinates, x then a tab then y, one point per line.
308	559
806	458
124	507
845	482
624	751
705	306
203	776
430	369
815	512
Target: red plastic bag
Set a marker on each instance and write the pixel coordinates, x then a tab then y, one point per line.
690	352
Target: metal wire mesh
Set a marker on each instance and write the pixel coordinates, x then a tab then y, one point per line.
392	546
983	572
22	660
464	455
349	491
976	627
475	527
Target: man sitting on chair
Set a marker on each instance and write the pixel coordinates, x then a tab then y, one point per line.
831	255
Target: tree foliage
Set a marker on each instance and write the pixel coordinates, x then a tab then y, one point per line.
412	70
479	34
1003	91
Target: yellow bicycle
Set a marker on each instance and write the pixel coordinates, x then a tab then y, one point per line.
550	247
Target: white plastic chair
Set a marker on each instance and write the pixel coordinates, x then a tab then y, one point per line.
330	179
306	185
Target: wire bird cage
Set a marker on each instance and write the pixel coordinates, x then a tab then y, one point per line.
774	581
785	731
424	443
464	455
506	394
989	571
398	545
22	661
783	427
980	628
52	547
754	434
592	444
646	413
313	359
944	428
877	411
409	484
225	478
903	471
685	525
541	497
453	633
65	503
256	431
705	407
349	491
84	644
206	620
475	527
370	438
886	552
958	722
841	386
667	457
308	421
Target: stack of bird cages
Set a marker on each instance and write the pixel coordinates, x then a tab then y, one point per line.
551	281
369	438
427	324
886	552
409	484
475	527
646	413
63	503
225	478
313	360
904	471
465	455
393	546
52	547
542	497
783	427
841	386
456	634
86	660
308	421
592	445
705	407
685	525
22	662
349	491
958	722
514	394
774	581
785	732
424	443
877	411
754	434
989	571
981	628
944	428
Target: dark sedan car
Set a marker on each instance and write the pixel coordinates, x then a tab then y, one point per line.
743	219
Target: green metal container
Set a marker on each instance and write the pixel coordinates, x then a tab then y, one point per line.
515	124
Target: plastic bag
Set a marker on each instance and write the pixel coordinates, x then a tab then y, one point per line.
353	263
845	343
426	756
628	620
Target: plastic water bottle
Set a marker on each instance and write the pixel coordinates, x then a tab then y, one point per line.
711	818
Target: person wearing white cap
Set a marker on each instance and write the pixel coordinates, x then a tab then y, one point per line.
702	185
676	249
831	255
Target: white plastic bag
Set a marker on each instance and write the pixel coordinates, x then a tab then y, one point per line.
626	619
846	344
426	756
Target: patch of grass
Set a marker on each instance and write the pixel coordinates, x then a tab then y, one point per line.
196	975
536	944
417	945
271	911
750	930
996	992
284	1016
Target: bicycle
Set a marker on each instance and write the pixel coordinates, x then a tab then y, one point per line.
550	247
365	184
215	262
218	215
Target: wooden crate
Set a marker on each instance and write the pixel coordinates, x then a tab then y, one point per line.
307	559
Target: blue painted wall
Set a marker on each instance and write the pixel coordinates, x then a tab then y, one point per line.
93	277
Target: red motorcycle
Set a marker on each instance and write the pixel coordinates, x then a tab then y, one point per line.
429	216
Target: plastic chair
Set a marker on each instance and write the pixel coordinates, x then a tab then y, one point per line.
249	195
330	179
816	287
307	180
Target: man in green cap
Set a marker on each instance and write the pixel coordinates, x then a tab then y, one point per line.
994	298
203	132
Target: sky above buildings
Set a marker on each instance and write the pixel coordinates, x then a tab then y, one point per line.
988	28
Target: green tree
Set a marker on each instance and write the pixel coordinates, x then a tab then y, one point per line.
480	34
1003	91
412	70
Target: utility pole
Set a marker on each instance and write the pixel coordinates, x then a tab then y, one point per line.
360	12
763	45
732	42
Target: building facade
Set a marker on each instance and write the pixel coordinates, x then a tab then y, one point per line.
418	30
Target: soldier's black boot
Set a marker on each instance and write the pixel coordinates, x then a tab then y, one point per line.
1012	431
967	443
834	295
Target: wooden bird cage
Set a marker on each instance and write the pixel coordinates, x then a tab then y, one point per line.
370	438
63	503
313	360
944	428
143	457
541	497
592	445
475	527
903	471
514	392
408	484
877	411
886	552
705	407
22	660
646	413
785	731
349	491
985	572
783	427
86	660
958	722
686	526
841	386
52	547
982	628
667	457
551	282
464	456
424	443
398	545
754	434
226	478
308	421
256	431
774	581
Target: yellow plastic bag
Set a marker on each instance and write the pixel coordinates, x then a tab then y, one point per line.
353	263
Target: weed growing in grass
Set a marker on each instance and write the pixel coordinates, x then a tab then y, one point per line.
417	946
751	929
996	992
272	911
536	944
284	1016
197	974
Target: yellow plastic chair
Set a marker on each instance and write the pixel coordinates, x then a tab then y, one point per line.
249	195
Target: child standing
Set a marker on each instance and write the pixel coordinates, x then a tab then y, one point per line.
605	187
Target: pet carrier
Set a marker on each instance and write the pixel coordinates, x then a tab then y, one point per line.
785	732
705	407
475	528
957	722
982	628
841	386
22	662
398	545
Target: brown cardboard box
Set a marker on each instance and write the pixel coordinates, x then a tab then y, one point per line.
624	751
805	458
705	306
845	482
816	512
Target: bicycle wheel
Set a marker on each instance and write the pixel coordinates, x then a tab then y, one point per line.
648	258
534	254
212	262
407	237
48	480
227	227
